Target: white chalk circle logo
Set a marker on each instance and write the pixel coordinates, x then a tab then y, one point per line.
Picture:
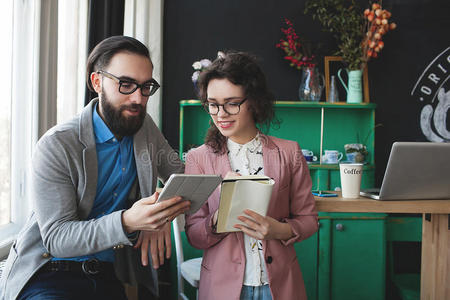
433	90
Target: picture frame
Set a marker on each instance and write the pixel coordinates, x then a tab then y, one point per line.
332	65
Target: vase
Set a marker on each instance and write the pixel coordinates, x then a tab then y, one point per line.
354	86
333	95
311	85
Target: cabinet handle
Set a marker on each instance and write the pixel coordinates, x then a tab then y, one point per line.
339	227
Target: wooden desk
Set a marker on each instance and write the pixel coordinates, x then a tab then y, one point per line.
435	269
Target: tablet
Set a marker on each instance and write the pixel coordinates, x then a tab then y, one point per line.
195	188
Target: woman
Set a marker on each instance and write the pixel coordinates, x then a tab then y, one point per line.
260	262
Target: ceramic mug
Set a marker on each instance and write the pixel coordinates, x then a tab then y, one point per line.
307	152
332	156
309	155
310	158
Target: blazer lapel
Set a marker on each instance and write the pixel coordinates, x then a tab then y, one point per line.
223	165
143	158
272	169
272	161
87	138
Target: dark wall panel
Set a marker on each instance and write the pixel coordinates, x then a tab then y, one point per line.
199	28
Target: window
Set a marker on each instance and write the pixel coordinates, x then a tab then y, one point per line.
6	23
18	134
72	55
28	61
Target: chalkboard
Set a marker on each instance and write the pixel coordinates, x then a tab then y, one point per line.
197	29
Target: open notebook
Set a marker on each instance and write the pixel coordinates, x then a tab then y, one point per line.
415	170
239	193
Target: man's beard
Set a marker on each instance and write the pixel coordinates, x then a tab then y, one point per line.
117	122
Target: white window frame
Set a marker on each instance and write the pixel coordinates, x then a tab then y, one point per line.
72	56
26	89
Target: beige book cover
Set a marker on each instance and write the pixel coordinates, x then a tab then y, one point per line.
239	193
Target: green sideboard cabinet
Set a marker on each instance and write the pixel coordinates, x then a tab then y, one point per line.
352	256
346	258
316	126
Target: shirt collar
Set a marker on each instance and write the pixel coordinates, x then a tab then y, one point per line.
253	145
101	131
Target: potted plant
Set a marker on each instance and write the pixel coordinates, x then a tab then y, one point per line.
359	35
356	152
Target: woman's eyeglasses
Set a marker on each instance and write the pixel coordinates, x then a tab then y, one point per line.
231	108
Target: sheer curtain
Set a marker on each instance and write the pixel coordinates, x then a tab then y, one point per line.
72	53
33	93
143	20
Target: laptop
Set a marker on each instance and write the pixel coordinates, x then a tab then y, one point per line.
415	170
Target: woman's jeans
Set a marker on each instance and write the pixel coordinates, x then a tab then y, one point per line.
261	292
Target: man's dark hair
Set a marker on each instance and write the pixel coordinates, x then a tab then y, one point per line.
240	68
101	55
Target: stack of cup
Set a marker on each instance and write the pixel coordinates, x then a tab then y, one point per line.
351	174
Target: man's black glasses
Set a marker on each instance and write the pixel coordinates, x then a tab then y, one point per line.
127	87
231	108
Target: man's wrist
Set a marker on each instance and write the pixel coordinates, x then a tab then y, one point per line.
126	228
133	237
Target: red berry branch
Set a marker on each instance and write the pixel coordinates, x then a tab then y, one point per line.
293	47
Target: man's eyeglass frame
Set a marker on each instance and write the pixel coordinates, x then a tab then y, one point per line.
152	82
206	105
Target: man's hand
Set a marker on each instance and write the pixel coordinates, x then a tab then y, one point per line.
263	228
159	242
145	214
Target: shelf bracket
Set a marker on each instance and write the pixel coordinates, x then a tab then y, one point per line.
428	217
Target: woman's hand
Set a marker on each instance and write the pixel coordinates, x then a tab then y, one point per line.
231	174
215	216
263	228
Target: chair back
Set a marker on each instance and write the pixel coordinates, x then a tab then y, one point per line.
179	253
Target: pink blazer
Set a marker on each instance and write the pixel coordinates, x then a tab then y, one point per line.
222	272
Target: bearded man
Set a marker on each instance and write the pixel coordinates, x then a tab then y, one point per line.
94	202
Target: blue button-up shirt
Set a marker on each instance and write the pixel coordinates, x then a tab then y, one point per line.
116	175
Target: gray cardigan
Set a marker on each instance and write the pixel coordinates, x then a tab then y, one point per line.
64	181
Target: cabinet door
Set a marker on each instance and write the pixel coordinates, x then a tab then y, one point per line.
307	257
352	256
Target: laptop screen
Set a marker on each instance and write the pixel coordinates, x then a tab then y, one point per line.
417	170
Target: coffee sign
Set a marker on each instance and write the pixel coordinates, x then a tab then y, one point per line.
352	171
432	89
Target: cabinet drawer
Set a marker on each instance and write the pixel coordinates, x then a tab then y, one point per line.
352	258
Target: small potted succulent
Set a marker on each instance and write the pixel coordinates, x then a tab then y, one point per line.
356	152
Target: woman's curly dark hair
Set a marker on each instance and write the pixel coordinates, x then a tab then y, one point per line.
240	68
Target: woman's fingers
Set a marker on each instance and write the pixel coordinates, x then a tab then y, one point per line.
249	222
254	215
248	231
